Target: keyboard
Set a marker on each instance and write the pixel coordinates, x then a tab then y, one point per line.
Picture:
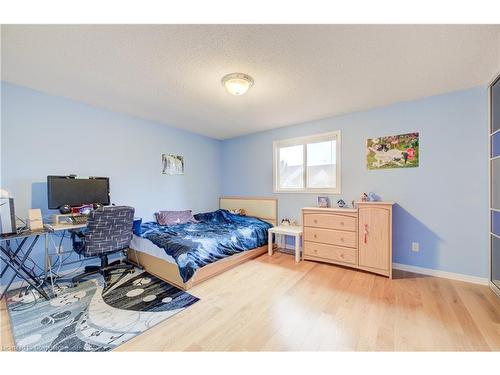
79	219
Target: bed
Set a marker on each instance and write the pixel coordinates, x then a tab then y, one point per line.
166	251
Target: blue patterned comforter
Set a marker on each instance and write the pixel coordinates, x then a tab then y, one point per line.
217	235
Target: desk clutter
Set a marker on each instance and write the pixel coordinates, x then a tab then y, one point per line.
69	219
34	221
96	229
95	242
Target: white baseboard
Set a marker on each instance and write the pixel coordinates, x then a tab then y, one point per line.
444	274
432	272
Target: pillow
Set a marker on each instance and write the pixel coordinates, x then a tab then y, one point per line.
175	217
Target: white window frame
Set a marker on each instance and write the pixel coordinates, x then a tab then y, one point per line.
304	141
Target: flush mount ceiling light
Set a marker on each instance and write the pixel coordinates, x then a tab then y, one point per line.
237	83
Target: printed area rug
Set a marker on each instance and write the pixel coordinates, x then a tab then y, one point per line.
88	318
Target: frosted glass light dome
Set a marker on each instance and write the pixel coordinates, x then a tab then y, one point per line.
237	83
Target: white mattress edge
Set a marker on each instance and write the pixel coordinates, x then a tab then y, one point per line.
146	246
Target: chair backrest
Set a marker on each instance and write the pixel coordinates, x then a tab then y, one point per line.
109	229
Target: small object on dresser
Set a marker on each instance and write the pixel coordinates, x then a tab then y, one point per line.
323	202
364	197
353	204
341	203
372	197
285	221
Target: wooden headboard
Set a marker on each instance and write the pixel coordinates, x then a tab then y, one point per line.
264	208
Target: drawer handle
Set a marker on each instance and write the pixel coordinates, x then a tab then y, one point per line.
342	223
341	239
366	234
315	221
342	256
315	236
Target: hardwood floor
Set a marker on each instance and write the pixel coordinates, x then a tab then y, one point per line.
273	304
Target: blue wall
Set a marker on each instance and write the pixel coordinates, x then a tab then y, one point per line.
44	134
442	204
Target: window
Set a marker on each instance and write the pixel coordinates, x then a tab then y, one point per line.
308	164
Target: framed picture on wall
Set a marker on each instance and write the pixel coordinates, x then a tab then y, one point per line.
172	164
394	151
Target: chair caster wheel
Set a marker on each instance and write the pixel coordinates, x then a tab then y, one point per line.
75	284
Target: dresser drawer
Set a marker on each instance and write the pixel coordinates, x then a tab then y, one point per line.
330	221
329	252
330	236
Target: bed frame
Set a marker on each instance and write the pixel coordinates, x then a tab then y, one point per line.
263	208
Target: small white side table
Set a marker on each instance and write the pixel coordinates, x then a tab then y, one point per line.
285	230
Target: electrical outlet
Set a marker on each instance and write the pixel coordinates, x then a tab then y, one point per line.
415	247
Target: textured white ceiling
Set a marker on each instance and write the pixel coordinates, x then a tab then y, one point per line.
171	73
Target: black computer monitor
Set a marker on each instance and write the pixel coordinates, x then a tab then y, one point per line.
76	191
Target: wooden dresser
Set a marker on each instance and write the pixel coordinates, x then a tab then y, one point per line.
355	237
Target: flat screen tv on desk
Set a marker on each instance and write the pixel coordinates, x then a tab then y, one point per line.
77	191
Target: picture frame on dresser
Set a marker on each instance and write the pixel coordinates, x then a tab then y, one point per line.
323	202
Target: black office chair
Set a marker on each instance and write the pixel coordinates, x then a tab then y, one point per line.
109	229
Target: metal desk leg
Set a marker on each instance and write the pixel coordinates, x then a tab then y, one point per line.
20	266
19	247
36	287
45	264
48	265
17	263
12	257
